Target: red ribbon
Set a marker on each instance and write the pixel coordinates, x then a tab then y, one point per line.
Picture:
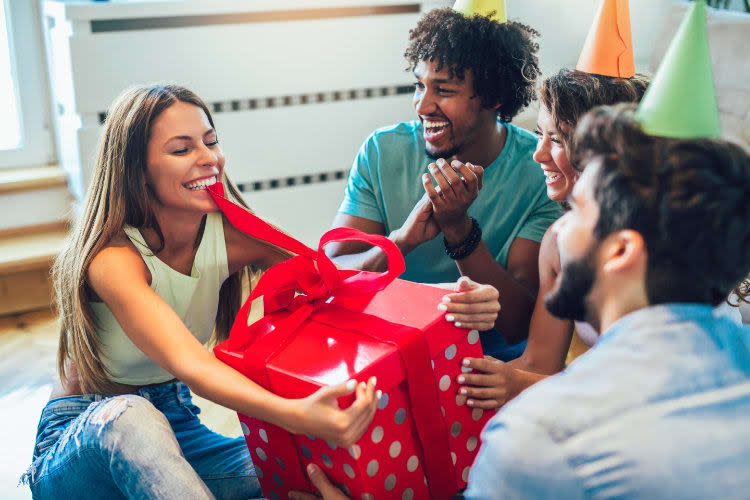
316	284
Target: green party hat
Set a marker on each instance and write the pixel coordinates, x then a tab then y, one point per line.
681	100
482	7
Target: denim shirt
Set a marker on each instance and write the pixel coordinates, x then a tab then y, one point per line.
659	408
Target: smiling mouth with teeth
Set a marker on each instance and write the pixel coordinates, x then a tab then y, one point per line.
434	127
551	176
201	184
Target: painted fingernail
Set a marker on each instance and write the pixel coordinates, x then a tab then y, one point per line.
363	385
446	299
458	324
310	469
379	394
373	380
470	402
442	307
461	379
466	362
463	390
450	317
351	384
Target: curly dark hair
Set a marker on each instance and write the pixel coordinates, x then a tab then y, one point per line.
569	94
501	57
687	198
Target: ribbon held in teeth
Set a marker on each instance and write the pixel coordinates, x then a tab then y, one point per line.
316	278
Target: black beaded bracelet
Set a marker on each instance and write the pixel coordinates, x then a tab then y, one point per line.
466	247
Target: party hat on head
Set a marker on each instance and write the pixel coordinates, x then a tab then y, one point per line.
681	100
482	7
608	49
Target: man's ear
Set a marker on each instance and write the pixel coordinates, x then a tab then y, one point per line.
623	251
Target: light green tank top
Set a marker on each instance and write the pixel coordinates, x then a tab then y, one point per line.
194	298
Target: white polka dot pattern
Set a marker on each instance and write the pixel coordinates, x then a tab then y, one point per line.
412	463
471	443
372	468
400	416
395	449
390	482
355	451
465	474
408	494
326	460
377	434
261	454
245	429
263	435
476	414
349	471
383	403
455	429
445	382
473	337
450	352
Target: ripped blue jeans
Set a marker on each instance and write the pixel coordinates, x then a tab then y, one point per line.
144	445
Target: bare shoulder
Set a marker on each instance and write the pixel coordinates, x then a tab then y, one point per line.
549	256
117	263
244	250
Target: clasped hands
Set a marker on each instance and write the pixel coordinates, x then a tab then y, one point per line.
443	208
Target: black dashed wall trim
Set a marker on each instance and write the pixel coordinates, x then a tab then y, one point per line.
284	182
299	99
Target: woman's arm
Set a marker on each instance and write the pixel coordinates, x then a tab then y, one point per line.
549	337
494	382
119	277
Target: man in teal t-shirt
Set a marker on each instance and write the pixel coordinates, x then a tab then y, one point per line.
469	86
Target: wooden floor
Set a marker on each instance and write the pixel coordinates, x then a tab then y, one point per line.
28	345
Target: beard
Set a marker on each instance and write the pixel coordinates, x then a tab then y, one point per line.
569	300
448	153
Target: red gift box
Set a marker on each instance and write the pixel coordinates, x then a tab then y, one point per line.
324	326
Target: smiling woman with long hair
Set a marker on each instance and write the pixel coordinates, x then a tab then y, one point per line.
150	268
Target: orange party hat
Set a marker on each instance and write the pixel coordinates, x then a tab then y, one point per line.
608	49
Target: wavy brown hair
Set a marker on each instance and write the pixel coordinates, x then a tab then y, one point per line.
569	94
501	56
118	195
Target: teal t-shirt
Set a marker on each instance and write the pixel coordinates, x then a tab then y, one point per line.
385	184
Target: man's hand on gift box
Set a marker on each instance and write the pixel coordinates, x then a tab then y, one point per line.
458	185
327	490
321	416
420	227
473	306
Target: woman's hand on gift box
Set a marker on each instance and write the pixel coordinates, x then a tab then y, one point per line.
321	416
473	306
318	478
491	383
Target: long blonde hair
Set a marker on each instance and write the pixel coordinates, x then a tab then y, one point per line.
118	195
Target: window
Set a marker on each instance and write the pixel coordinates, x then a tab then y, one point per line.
10	127
25	132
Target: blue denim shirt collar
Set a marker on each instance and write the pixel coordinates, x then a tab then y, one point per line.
659	314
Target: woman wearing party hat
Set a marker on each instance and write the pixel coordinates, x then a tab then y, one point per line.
605	74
